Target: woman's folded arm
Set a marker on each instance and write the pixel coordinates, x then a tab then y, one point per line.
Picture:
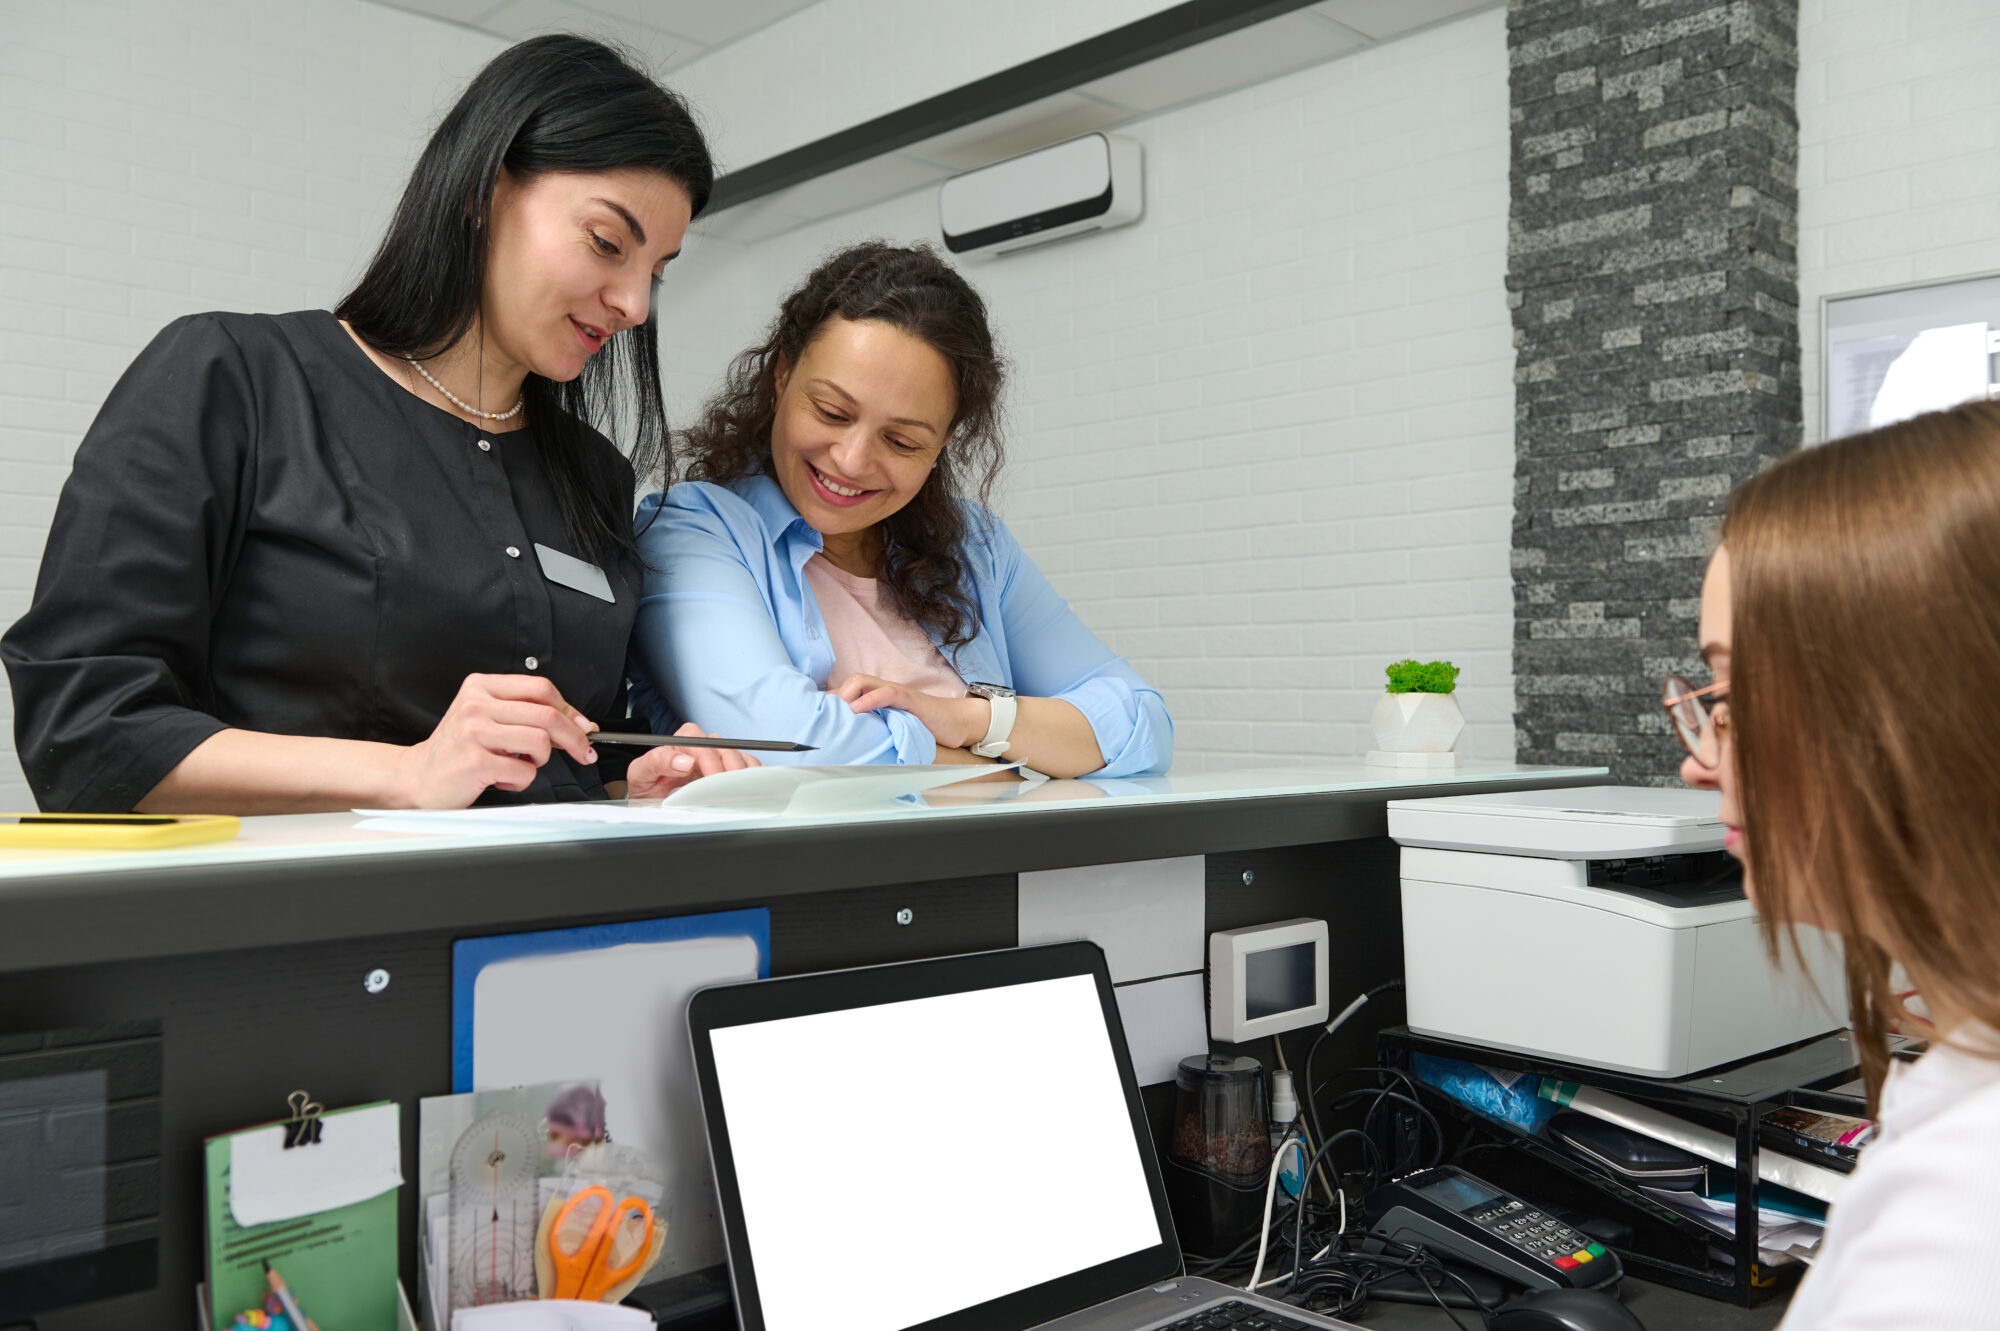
706	649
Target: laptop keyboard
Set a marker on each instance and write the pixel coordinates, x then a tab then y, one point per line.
1236	1315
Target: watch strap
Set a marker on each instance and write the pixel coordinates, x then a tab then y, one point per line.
998	729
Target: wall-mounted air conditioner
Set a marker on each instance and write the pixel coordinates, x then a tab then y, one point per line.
1087	184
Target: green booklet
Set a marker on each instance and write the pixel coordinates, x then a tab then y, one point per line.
322	1213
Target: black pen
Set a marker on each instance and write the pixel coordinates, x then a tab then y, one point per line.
698	742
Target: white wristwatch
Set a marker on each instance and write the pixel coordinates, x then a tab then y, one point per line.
1002	725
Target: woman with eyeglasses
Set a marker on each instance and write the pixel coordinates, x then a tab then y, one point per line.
1851	618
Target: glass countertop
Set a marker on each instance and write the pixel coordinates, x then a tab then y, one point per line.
312	836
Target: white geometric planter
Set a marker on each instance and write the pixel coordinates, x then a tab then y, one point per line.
1416	730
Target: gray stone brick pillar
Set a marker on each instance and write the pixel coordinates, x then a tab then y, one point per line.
1654	283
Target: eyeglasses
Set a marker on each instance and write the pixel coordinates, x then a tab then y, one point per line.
1700	717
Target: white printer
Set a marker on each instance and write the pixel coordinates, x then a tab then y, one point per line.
1602	925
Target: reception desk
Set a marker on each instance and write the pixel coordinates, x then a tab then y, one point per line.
314	951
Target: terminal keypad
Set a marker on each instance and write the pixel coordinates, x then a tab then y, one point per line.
1542	1236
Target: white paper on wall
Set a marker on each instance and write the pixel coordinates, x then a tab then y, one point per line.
1147	915
1165	1021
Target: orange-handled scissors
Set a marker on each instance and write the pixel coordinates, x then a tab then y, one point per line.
584	1270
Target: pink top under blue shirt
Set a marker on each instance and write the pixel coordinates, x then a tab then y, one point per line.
730	635
871	635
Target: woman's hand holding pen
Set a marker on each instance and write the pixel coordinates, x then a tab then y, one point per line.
497	731
662	771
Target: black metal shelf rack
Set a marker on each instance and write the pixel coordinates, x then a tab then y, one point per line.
1667	1246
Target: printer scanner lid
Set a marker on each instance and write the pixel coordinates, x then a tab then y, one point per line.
1583	823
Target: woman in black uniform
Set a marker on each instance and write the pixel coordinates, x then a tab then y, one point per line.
383	556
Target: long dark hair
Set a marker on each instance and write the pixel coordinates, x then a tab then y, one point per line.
555	103
910	288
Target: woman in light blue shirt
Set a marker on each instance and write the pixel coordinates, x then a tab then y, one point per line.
828	571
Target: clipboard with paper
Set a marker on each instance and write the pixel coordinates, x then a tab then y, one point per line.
313	1196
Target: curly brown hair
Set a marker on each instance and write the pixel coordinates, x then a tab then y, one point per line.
915	290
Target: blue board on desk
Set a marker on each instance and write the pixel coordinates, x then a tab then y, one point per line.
608	1003
471	956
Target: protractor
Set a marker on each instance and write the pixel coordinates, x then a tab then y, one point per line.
496	1157
495	1208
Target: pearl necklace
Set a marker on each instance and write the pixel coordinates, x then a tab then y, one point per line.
465	407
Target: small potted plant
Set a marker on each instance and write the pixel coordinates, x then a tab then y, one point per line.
1417	721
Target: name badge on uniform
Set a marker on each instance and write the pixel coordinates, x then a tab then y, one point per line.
573	572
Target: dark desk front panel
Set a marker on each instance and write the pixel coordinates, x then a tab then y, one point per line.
241	1029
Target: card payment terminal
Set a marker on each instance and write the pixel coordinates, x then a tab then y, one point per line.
1458	1215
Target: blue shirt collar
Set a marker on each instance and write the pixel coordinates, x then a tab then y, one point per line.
800	541
781	520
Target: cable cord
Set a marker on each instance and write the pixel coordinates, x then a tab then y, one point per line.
1311	1131
1360	1000
1336	1280
1270	1195
1423	1112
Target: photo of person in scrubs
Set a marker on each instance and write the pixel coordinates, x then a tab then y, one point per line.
383	556
1851	618
827	570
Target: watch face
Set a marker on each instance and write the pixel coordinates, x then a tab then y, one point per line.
980	689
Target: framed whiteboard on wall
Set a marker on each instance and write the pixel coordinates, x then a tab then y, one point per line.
1893	353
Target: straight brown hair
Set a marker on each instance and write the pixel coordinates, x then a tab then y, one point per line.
1865	586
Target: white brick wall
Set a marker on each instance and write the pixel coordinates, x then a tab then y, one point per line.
839	63
1263	440
160	157
1899	152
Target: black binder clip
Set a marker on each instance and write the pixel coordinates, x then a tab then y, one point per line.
302	1129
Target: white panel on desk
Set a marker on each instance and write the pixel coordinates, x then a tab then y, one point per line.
1165	1021
1146	915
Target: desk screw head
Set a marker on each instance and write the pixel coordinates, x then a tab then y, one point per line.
1249	877
377	981
906	916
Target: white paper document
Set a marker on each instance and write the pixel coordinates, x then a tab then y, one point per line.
359	1155
1798	1175
1781	1236
819	790
754	792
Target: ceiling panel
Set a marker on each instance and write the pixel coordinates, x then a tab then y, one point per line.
528	18
666	33
1381	19
468	12
1248	55
710	22
663	52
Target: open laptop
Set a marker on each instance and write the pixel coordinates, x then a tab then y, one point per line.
952	1145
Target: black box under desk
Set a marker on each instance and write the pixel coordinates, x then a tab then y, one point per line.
1666	1246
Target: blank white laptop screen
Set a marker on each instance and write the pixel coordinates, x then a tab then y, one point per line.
907	1160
